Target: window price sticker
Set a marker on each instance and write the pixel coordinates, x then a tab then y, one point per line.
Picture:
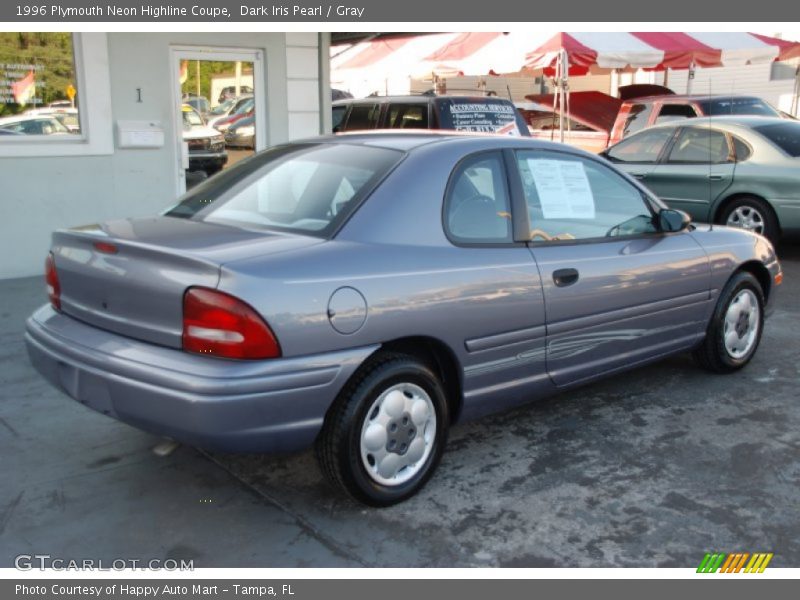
563	188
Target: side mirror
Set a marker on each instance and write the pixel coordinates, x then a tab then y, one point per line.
670	220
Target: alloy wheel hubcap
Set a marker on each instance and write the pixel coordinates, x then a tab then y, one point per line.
742	321
398	435
746	217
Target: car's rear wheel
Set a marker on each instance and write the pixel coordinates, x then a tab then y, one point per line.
752	214
385	434
736	326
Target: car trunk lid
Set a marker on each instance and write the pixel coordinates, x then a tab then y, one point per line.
129	276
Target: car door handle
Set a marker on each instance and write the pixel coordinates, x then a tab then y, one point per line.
565	277
716	177
639	175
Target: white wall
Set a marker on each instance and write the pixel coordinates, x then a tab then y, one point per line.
41	194
747	79
303	84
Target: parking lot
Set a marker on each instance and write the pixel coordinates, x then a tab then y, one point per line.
652	468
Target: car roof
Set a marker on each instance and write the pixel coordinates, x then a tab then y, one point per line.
407	140
689	98
734	121
416	98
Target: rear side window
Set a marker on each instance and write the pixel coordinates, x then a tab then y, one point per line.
644	147
785	136
307	189
572	198
742	150
363	116
700	146
675	112
738	106
407	116
337	114
477	208
637	118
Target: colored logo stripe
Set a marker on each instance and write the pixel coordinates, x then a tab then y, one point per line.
711	563
734	563
758	563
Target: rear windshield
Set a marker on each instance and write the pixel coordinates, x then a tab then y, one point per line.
302	188
784	135
483	115
738	106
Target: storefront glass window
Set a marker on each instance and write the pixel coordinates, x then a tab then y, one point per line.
38	85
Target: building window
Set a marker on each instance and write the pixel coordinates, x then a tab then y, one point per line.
38	86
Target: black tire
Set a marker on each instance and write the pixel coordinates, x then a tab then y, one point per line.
338	446
712	354
771	228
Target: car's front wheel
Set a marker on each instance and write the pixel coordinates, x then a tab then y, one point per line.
385	434
736	326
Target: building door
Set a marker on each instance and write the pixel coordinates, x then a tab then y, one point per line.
219	101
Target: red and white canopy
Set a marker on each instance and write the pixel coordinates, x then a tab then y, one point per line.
652	50
487	53
481	53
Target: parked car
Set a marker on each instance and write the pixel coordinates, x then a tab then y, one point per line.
221	110
68	117
206	145
34	125
337	94
461	113
599	120
230	92
242	134
738	171
364	292
242	110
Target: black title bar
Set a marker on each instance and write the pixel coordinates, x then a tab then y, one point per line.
462	11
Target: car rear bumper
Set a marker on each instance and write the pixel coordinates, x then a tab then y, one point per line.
234	406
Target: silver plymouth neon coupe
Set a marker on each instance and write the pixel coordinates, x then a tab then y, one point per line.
363	292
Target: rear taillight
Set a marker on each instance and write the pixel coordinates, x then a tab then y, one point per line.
218	324
51	277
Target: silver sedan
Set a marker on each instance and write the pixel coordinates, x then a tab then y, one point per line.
738	171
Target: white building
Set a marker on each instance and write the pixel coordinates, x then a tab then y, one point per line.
127	161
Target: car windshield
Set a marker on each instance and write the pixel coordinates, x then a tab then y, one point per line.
192	119
738	106
244	107
224	107
784	135
305	188
36	126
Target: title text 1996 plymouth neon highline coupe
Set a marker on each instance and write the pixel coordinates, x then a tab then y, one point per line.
363	292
